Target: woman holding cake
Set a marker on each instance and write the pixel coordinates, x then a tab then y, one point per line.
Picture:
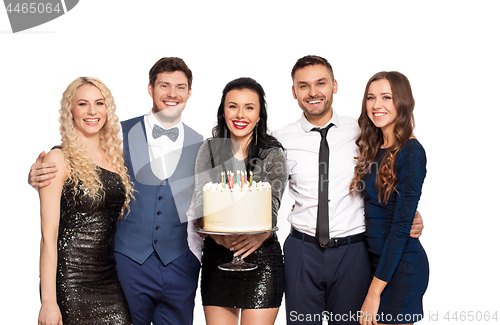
79	210
390	173
241	142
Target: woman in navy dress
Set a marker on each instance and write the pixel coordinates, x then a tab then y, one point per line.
390	173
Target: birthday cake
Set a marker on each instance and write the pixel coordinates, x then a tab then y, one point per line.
237	205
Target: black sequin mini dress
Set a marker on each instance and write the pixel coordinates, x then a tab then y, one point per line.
260	288
88	291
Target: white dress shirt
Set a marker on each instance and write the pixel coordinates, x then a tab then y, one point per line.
159	150
346	213
164	153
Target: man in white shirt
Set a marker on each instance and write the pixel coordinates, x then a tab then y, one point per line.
157	251
327	280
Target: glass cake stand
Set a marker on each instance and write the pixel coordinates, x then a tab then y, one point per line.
237	264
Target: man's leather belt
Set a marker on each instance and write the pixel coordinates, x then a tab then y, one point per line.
333	243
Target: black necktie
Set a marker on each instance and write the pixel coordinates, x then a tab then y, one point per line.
172	133
322	227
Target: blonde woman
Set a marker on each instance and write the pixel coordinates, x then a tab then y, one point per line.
79	210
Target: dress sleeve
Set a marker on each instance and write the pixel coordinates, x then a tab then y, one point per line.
276	173
201	177
411	171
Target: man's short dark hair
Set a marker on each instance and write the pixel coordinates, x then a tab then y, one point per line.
171	64
311	60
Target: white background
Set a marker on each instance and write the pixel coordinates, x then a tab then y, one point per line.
448	49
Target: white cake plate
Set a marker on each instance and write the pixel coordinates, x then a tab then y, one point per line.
237	264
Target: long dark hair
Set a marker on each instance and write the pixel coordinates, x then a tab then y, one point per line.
371	137
261	139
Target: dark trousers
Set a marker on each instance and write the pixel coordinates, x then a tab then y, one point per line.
159	293
325	283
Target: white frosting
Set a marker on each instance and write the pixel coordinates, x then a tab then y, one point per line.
256	186
238	209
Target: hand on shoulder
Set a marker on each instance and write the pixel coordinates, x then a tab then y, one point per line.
56	156
41	172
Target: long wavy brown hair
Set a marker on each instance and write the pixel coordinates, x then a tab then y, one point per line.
371	137
82	167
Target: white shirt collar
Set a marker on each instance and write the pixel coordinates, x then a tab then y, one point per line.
151	121
307	127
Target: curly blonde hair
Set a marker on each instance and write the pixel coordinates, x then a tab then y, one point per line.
82	167
371	137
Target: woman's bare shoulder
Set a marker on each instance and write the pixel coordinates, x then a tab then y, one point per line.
55	155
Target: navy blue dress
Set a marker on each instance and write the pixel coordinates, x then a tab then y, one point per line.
396	257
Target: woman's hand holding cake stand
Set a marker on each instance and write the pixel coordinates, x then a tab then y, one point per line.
247	244
225	240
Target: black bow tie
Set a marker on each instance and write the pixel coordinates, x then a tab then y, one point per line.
172	133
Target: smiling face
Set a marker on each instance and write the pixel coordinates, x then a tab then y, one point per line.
170	94
380	105
313	87
89	110
241	112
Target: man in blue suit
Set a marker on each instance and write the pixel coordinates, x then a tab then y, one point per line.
157	256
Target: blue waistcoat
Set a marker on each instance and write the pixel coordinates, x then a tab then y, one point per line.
157	220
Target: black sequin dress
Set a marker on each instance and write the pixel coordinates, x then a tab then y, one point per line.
260	288
88	291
